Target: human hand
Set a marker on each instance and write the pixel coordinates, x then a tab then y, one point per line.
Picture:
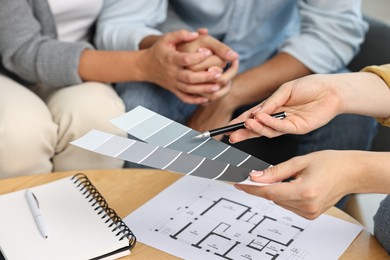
167	67
309	102
320	180
222	56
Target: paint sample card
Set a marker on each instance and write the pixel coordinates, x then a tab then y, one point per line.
156	129
168	145
159	157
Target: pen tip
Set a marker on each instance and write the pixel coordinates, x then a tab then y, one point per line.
201	136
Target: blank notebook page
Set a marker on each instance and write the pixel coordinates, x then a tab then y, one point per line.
75	230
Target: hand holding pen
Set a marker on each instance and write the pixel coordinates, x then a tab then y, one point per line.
230	128
36	213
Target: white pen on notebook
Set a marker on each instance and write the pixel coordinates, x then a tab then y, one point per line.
36	212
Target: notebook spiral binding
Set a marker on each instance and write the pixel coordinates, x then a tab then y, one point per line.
101	207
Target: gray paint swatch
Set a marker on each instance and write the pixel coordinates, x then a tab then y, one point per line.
178	137
160	157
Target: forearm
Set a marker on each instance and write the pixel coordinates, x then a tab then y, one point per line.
112	66
148	41
370	172
260	82
362	93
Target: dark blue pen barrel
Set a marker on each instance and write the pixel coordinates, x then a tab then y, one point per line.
227	129
230	128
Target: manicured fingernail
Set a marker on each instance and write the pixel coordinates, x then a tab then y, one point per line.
217	75
247	127
205	51
237	187
232	54
215	69
256	174
215	88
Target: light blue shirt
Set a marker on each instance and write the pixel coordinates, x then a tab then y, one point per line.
323	34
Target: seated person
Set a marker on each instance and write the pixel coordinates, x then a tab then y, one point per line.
54	87
321	178
277	41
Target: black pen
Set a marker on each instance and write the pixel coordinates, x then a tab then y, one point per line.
229	128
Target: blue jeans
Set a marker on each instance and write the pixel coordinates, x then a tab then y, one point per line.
155	98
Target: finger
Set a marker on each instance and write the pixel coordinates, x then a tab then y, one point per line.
198	89
281	171
203	31
219	94
262	129
229	74
283	191
245	134
180	36
185	59
299	206
220	49
297	209
190	77
190	99
276	100
212	61
269	124
259	191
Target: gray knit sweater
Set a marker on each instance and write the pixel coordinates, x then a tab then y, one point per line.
29	48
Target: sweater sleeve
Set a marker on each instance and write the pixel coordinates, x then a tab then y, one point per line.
383	72
330	34
32	56
123	24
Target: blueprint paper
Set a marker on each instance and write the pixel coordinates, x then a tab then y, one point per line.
198	218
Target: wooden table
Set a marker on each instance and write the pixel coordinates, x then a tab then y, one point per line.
126	190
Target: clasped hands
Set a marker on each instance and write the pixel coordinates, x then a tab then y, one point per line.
191	65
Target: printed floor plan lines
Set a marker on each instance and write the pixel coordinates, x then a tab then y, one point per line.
199	218
242	234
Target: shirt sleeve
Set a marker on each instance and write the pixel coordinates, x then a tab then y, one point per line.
124	23
383	72
32	56
330	35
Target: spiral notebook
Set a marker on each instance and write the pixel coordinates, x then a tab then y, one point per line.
79	221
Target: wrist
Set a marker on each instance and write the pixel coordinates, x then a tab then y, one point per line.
232	100
364	93
148	41
138	65
370	172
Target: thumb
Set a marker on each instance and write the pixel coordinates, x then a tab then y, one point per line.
180	36
203	31
276	173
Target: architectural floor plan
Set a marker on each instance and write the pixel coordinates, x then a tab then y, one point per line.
242	233
198	218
